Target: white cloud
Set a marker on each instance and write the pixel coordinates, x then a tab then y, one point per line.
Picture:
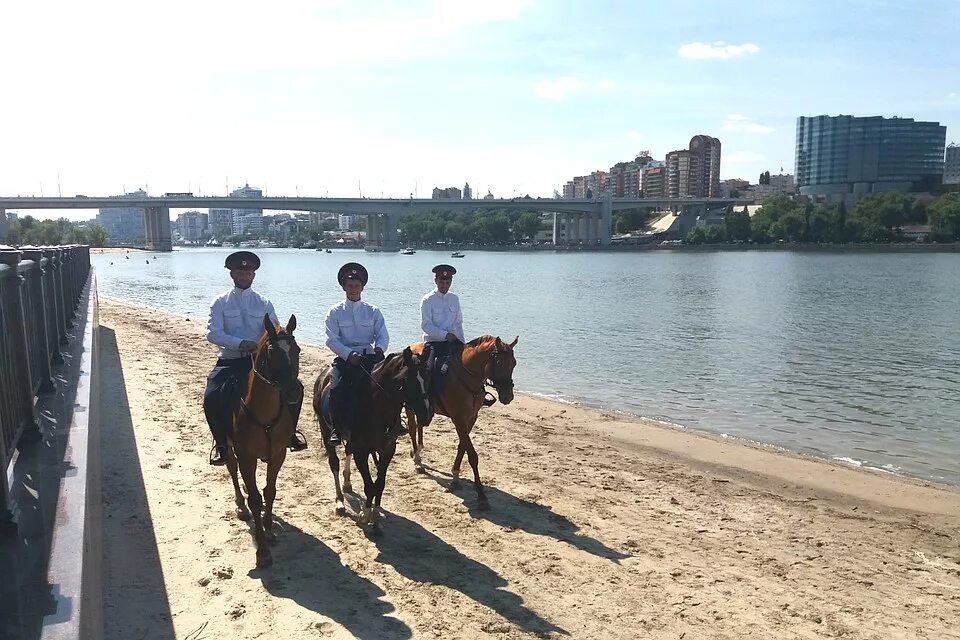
607	85
743	157
742	124
717	51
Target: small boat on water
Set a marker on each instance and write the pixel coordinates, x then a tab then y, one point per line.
409	251
328	251
213	242
458	254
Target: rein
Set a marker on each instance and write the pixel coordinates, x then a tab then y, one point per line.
268	427
490	382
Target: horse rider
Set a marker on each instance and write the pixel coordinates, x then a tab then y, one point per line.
235	325
357	334
441	320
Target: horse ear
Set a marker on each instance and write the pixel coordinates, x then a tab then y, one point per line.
515	341
499	343
268	326
291	323
407	355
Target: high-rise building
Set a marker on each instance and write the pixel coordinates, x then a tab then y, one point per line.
654	180
450	193
244	220
467	191
580	187
193	225
568	190
694	172
841	158
124	225
951	164
220	223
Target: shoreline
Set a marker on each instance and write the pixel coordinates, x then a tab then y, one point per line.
589	405
601	526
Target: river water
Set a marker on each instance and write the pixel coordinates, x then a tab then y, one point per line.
854	357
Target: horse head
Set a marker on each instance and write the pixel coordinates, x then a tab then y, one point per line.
413	377
500	368
278	358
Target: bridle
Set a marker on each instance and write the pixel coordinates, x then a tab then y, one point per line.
491	382
272	341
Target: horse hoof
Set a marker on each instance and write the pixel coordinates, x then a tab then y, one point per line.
419	469
341	510
243	514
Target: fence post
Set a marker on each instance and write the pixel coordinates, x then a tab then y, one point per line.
38	316
20	349
52	302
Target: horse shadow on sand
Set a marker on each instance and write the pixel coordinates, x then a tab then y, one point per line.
421	556
324	585
509	511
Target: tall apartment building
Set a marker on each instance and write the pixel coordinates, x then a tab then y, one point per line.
450	193
580	187
193	225
569	192
220	223
694	172
467	191
842	158
244	220
653	180
951	164
124	225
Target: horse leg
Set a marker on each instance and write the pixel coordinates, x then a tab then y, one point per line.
347	486
270	490
412	429
242	512
455	472
474	461
385	457
334	461
363	465
248	469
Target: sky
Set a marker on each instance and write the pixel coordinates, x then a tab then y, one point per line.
345	98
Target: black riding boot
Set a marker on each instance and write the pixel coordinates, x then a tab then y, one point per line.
218	454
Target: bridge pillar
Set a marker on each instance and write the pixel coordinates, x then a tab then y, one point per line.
584	228
572	227
606	219
156	223
556	228
390	236
3	226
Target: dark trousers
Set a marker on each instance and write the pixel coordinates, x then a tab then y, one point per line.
222	394
442	353
348	382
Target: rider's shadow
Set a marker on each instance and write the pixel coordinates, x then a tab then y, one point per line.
421	556
507	510
324	585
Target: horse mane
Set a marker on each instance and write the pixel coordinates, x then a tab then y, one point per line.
476	342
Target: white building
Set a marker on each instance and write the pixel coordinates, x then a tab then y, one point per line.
244	219
951	164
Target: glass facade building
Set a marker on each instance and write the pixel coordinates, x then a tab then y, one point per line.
844	157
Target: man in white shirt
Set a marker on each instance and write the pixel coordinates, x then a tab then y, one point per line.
235	325
442	323
357	334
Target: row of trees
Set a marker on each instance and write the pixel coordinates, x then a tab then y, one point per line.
481	228
876	218
29	230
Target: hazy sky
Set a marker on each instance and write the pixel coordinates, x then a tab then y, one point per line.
513	95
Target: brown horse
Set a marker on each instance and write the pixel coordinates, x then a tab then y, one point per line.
483	359
270	404
400	379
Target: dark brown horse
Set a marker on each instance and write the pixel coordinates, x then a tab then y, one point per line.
486	360
270	405
401	379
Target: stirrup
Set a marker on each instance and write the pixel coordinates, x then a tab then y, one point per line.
489	399
297	441
218	455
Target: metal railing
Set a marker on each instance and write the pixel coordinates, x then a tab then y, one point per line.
39	291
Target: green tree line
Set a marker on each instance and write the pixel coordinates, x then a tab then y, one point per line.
29	230
877	218
481	228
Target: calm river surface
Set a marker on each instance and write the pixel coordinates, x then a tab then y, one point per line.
845	356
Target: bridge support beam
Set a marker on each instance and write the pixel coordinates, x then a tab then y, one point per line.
606	219
390	239
156	223
3	226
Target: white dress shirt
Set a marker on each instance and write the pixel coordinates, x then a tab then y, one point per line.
355	326
439	315
235	316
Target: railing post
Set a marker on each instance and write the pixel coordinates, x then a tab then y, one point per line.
18	333
62	309
38	317
52	301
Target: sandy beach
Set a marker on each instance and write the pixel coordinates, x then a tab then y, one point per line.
601	526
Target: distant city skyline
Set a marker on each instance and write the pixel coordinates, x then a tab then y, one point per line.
514	96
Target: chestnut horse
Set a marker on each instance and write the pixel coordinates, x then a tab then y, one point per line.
270	403
400	379
483	359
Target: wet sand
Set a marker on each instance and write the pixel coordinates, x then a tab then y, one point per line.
601	526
